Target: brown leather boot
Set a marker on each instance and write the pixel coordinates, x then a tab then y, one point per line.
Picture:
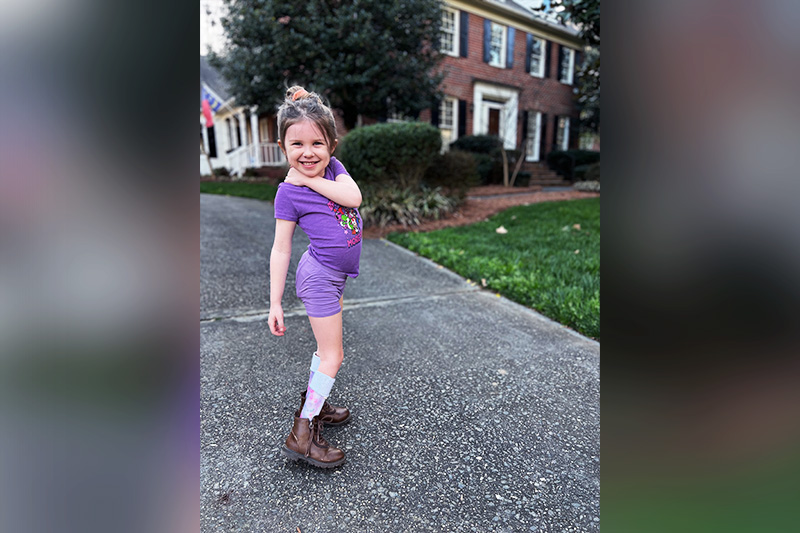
330	415
306	443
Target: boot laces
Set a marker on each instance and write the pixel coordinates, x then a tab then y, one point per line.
317	433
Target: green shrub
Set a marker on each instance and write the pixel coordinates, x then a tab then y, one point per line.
486	150
250	172
478	144
454	172
566	162
393	154
388	205
593	172
221	171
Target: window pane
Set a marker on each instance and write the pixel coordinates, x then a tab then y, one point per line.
564	69
496	50
448	31
562	124
446	114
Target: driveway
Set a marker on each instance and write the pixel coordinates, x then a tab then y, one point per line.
470	412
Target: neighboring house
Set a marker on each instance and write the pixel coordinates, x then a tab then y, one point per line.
509	71
239	138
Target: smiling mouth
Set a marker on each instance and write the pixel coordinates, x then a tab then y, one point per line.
308	163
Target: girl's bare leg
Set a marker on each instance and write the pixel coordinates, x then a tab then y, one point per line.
328	332
341	304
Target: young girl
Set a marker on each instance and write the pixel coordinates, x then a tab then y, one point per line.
320	196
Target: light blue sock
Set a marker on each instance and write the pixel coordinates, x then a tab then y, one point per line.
315	361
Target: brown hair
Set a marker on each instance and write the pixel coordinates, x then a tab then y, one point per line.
302	105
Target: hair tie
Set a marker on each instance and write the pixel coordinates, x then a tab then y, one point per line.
300	93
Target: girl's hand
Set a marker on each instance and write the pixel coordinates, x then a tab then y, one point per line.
276	320
295	177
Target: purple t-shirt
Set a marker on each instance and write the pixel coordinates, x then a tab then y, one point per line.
334	231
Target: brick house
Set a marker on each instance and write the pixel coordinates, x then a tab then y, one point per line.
508	71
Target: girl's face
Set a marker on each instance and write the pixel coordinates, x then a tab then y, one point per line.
306	148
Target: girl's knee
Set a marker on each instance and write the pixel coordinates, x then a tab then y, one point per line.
334	356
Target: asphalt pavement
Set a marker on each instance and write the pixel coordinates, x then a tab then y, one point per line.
470	413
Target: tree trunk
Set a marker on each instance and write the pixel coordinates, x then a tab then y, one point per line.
505	166
519	163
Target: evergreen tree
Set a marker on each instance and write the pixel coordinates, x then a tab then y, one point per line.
368	57
586	14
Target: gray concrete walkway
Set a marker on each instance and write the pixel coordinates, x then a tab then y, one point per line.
470	412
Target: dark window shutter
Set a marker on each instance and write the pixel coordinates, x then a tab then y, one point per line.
547	53
464	34
435	112
543	138
212	142
528	49
560	62
510	47
524	126
487	40
572	140
462	118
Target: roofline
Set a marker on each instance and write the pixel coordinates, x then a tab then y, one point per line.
502	13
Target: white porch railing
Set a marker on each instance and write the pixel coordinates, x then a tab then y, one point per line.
271	155
263	155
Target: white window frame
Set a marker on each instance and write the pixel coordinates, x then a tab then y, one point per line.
501	63
534	137
449	130
542	58
456	29
570	71
562	129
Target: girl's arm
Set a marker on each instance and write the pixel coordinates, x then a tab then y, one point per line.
343	191
278	267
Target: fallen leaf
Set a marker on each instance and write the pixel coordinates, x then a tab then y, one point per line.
576	226
513	217
577	251
501	230
483	281
565	228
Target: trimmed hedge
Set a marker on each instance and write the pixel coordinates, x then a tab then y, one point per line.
486	151
565	162
478	144
390	154
454	172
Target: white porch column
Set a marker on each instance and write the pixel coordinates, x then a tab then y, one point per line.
243	128
254	129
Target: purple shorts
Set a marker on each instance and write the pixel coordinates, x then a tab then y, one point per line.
319	287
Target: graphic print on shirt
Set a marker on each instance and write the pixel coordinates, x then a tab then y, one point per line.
348	219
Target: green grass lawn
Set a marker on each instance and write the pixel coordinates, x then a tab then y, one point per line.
544	261
259	191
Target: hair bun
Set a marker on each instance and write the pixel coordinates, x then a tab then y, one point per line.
296	92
